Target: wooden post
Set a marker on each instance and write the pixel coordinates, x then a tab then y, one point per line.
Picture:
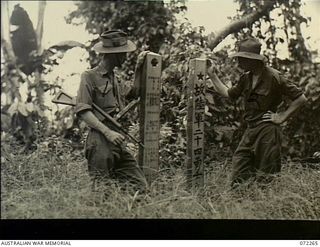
195	123
150	115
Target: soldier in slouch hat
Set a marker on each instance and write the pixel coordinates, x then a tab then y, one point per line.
262	89
105	149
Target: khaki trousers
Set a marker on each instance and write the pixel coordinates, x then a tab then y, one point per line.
106	160
258	153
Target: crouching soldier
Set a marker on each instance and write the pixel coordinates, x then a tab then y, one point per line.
262	89
105	149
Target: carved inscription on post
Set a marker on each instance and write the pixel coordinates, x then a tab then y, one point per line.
150	115
195	122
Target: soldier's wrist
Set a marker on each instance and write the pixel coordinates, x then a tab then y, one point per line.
283	116
106	131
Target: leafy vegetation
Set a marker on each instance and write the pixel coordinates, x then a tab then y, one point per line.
43	171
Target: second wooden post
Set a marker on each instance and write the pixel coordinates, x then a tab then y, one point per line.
195	123
150	115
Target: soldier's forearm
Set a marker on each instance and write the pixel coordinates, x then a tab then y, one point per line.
295	105
94	122
219	86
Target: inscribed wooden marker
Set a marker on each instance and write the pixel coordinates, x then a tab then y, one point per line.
150	115
195	123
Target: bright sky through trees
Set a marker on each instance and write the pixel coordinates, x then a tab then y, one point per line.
213	15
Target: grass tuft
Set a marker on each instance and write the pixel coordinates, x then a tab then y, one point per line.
55	184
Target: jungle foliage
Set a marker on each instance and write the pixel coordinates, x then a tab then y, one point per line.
155	27
42	163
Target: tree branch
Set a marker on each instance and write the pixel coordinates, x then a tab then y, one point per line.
39	30
245	21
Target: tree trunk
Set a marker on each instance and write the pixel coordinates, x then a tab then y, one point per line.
39	33
305	55
39	30
236	26
11	91
6	45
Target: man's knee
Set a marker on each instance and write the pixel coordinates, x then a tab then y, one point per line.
270	162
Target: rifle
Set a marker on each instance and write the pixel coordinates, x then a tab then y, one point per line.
65	99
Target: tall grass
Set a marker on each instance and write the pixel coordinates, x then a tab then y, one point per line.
49	184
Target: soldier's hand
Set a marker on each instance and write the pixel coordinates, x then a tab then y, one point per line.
114	137
316	155
141	58
211	71
276	118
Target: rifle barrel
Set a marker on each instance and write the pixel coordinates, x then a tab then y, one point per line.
65	99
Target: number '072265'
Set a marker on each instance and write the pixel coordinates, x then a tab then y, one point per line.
310	243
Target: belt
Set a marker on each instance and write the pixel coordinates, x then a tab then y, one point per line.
254	124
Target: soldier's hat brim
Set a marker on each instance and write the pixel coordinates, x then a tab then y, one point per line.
249	55
114	41
249	48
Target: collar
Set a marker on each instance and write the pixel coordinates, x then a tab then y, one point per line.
265	76
262	80
102	70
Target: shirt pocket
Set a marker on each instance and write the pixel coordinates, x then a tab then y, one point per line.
104	89
102	95
263	91
263	97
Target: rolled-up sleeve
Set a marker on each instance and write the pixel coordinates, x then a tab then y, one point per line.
84	96
235	91
289	89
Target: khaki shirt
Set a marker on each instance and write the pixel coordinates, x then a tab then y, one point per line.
100	87
267	94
